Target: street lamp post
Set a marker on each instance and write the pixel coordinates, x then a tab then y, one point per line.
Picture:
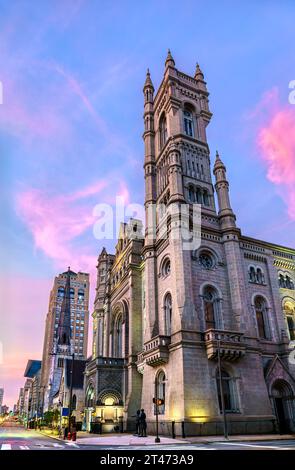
157	439
225	432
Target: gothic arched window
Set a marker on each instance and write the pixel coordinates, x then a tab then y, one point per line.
168	313
188	122
191	194
160	385
206	198
259	276
89	401
252	274
74	402
282	281
211	308
163	131
261	317
289	283
229	392
198	196
289	311
117	336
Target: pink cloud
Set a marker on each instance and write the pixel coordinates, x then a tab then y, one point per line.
56	222
276	146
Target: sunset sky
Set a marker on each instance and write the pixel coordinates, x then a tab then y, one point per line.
71	131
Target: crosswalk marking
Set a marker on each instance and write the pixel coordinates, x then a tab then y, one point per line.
72	444
254	445
24	447
6	447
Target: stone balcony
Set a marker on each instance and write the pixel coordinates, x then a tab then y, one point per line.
231	344
155	351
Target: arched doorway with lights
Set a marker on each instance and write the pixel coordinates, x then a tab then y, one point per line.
109	411
282	397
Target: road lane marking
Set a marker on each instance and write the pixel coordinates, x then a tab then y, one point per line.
6	447
24	447
254	445
72	444
58	445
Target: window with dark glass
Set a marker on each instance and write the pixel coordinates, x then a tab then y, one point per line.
168	313
228	389
261	311
163	131
188	123
291	327
210	308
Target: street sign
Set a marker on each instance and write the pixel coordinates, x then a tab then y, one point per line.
65	412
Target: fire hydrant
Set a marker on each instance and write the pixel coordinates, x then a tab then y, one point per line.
69	436
74	435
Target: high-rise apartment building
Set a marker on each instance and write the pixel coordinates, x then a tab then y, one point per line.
78	293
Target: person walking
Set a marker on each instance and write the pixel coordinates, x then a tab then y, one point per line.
142	423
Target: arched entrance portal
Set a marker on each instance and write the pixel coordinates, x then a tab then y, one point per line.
283	397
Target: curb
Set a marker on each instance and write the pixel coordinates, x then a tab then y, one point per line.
48	435
245	439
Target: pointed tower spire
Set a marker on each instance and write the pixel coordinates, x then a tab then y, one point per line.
148	82
64	324
169	60
198	73
226	214
218	163
148	89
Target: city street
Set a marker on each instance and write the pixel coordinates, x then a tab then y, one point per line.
16	437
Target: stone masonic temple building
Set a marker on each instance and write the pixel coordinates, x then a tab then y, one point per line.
163	315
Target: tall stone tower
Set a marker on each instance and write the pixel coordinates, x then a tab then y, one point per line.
177	171
191	295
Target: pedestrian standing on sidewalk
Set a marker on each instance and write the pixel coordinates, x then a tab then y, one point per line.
142	423
137	423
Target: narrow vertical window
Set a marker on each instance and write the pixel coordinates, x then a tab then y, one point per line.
211	309
168	313
261	311
289	310
163	131
188	123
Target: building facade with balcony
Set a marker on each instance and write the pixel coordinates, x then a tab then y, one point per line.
165	310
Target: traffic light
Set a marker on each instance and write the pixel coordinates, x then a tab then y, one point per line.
158	401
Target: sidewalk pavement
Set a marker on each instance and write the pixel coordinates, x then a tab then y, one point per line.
240	438
129	439
85	438
124	440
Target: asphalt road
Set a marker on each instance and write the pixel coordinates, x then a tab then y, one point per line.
15	437
18	438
